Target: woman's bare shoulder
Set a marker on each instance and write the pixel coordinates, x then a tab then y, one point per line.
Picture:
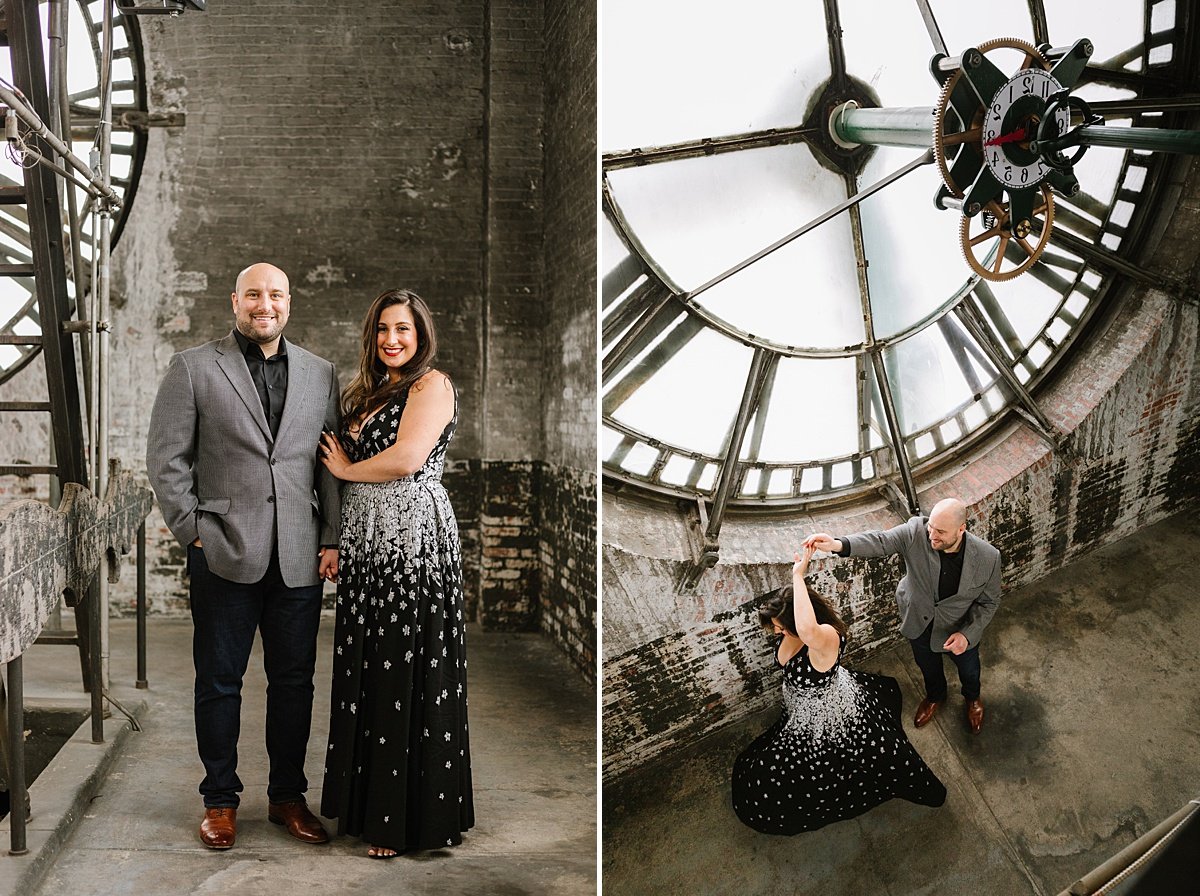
432	377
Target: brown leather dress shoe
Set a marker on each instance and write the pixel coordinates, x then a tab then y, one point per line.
975	715
219	828
925	712
300	822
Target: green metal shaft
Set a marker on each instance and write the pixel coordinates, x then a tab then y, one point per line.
882	127
1149	139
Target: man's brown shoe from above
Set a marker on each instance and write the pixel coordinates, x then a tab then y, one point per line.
300	822
975	715
219	828
925	712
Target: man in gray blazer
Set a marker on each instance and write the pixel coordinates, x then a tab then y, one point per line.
948	595
232	457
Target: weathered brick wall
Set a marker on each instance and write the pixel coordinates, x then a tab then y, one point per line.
356	160
360	147
568	478
567	549
678	665
509	533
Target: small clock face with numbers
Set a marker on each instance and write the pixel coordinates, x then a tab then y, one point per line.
1012	120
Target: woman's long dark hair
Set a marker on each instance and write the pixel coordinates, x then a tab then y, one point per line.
371	387
778	604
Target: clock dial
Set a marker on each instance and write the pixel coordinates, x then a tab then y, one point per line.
1011	122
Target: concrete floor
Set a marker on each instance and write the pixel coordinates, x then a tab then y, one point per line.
1092	737
533	756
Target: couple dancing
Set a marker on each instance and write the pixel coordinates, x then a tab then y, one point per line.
838	748
249	445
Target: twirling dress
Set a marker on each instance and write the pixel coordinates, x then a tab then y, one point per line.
398	767
837	751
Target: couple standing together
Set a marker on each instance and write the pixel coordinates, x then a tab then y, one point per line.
273	481
838	748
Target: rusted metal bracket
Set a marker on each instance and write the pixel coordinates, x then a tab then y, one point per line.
705	548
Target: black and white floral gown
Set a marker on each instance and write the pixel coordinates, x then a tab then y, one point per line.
837	751
398	767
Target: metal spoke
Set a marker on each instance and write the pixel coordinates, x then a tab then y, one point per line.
1037	14
705	146
764	362
899	453
676	339
971	318
631	308
924	159
620	278
653	321
931	25
837	51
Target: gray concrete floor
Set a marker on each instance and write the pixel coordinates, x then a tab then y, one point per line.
533	755
1092	737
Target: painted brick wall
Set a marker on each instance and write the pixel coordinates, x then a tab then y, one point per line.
679	665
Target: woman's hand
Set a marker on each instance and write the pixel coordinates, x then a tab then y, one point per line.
333	455
800	567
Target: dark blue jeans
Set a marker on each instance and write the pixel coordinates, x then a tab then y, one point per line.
932	669
225	616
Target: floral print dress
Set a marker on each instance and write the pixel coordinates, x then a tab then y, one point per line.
837	751
398	766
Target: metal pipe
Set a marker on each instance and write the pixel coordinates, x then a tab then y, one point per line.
31	118
72	201
141	606
16	755
852	126
1147	139
104	284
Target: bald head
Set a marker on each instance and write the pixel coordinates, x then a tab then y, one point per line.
947	523
260	270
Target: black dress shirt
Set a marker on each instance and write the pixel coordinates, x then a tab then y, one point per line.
270	377
951	572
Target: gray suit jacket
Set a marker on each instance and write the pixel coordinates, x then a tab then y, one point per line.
221	477
968	610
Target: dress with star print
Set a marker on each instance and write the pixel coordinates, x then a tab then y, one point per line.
837	751
398	766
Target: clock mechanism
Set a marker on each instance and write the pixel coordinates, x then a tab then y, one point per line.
1000	142
992	135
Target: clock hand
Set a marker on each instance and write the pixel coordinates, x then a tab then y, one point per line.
1011	137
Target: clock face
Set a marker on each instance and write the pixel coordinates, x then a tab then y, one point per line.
1012	120
706	166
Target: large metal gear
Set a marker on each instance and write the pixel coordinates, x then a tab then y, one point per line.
995	221
947	143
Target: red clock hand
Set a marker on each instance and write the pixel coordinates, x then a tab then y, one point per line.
1013	137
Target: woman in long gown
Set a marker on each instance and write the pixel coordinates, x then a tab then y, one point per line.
838	748
398	766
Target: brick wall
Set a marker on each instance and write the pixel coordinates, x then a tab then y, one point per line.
567	536
567	549
678	665
361	147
